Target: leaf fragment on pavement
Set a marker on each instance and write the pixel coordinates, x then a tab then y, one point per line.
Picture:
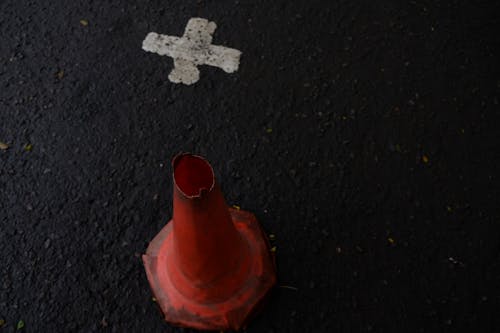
28	147
3	146
20	324
84	23
2	322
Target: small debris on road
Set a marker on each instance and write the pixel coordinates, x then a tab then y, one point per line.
3	146
289	287
456	262
60	74
84	23
425	159
28	147
20	324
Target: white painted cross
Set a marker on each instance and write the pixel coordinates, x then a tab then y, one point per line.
194	48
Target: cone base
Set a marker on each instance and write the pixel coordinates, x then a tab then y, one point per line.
232	313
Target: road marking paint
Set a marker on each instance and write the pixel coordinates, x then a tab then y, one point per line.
191	50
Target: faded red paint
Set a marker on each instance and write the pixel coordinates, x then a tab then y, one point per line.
211	266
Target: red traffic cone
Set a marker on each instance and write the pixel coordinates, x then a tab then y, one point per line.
210	267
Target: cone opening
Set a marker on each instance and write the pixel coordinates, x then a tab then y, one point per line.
192	175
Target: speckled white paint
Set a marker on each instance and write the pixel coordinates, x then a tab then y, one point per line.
194	48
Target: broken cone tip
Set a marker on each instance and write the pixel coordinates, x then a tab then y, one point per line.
193	175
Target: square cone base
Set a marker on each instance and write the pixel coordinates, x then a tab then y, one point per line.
232	313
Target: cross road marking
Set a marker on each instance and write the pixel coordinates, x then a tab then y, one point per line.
194	48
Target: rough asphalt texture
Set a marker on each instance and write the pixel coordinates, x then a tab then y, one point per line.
363	134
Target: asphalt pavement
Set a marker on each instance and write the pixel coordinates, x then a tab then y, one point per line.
362	134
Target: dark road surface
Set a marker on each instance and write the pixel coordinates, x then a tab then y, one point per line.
363	134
